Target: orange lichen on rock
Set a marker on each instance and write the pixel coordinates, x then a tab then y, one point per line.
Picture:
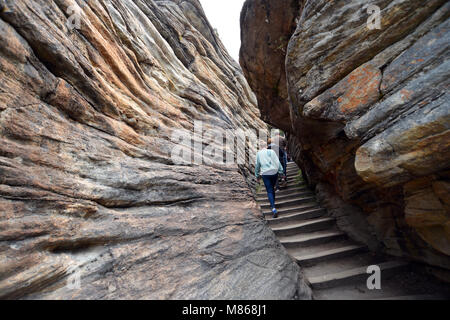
354	93
362	88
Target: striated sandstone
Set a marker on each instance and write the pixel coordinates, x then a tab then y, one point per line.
87	183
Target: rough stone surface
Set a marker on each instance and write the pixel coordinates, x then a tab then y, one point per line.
87	183
369	116
266	26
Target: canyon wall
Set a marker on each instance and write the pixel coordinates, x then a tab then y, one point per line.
366	109
92	206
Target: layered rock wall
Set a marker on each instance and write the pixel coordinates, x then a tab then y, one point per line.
369	112
92	206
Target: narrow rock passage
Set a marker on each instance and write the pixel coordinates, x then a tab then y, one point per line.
335	265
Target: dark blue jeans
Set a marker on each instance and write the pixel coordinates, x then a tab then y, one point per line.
270	182
284	162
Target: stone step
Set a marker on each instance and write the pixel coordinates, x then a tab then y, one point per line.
297	217
284	191
297	209
295	178
291	228
288	203
341	263
286	197
320	256
290	186
308	250
335	266
399	286
355	275
312	238
294	184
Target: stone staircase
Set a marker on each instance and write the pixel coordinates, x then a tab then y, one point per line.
334	265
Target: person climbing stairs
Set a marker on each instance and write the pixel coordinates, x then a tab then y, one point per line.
335	265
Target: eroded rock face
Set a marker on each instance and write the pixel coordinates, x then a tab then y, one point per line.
87	184
266	26
370	117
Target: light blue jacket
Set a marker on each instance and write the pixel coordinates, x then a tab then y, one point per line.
267	162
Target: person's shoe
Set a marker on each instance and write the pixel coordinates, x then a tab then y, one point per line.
275	213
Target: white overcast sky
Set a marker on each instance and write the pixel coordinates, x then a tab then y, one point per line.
224	15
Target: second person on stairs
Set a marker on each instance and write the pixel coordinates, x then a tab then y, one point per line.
278	144
268	166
